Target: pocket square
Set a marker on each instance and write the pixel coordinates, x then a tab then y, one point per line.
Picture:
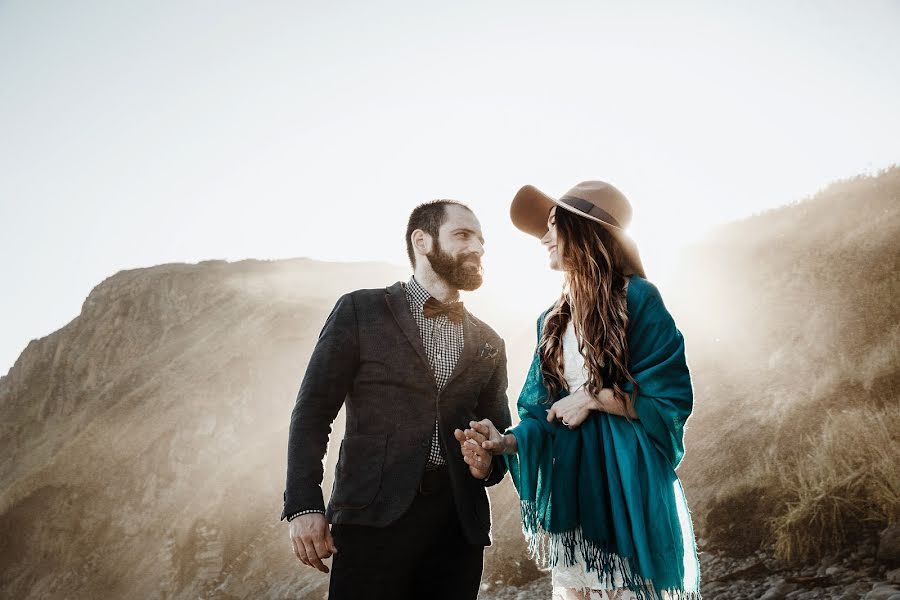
487	351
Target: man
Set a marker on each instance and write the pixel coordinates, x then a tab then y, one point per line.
409	514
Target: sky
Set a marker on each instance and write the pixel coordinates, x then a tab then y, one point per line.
148	132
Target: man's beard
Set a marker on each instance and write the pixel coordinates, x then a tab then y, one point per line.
462	273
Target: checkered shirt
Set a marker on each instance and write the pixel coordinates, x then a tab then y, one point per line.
443	341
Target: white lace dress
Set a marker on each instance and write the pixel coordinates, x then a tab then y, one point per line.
575	582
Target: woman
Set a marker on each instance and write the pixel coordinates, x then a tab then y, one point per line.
602	413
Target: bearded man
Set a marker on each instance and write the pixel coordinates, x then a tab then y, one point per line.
408	514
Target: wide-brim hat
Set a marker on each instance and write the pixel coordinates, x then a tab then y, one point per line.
595	200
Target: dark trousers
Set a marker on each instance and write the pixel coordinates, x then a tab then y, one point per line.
424	554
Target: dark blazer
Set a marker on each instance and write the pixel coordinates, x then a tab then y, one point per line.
370	356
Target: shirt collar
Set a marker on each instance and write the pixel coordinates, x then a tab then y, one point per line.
416	292
419	294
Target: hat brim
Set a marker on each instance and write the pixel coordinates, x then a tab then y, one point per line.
531	208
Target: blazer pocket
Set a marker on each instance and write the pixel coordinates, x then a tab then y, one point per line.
357	477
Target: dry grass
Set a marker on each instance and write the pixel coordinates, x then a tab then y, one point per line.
847	477
791	318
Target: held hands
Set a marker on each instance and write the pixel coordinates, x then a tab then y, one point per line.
311	539
486	435
478	459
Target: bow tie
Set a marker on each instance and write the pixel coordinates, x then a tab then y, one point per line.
435	308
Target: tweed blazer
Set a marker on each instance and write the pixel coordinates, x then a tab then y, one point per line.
370	358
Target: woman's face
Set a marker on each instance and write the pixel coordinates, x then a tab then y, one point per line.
552	243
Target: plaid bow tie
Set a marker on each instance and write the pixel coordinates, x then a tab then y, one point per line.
435	308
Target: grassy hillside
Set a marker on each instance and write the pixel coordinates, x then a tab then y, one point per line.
793	325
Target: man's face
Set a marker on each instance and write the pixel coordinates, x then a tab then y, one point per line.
456	253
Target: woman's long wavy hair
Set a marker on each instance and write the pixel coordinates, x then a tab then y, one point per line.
594	299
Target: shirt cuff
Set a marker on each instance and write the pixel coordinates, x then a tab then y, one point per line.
306	512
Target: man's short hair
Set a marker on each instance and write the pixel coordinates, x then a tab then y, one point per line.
428	216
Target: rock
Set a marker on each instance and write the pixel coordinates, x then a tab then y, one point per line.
754	570
893	575
855	591
882	591
714	589
778	591
889	546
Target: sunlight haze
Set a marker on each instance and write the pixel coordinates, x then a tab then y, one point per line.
135	134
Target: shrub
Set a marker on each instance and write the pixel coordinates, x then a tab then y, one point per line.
847	477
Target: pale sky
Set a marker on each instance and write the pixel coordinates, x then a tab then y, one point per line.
146	132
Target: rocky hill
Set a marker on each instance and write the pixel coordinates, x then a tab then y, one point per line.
143	444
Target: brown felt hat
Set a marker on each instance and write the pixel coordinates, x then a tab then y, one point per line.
595	200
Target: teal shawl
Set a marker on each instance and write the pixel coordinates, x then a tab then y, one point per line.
608	488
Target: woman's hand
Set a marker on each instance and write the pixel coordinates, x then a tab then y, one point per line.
574	409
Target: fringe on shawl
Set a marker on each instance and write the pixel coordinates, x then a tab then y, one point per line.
544	547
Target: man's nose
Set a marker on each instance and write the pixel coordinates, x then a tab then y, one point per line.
479	248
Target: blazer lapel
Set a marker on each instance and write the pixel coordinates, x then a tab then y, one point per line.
471	345
396	300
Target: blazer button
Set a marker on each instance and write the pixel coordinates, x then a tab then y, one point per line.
426	443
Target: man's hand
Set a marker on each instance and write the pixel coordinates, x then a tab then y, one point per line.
311	539
478	459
